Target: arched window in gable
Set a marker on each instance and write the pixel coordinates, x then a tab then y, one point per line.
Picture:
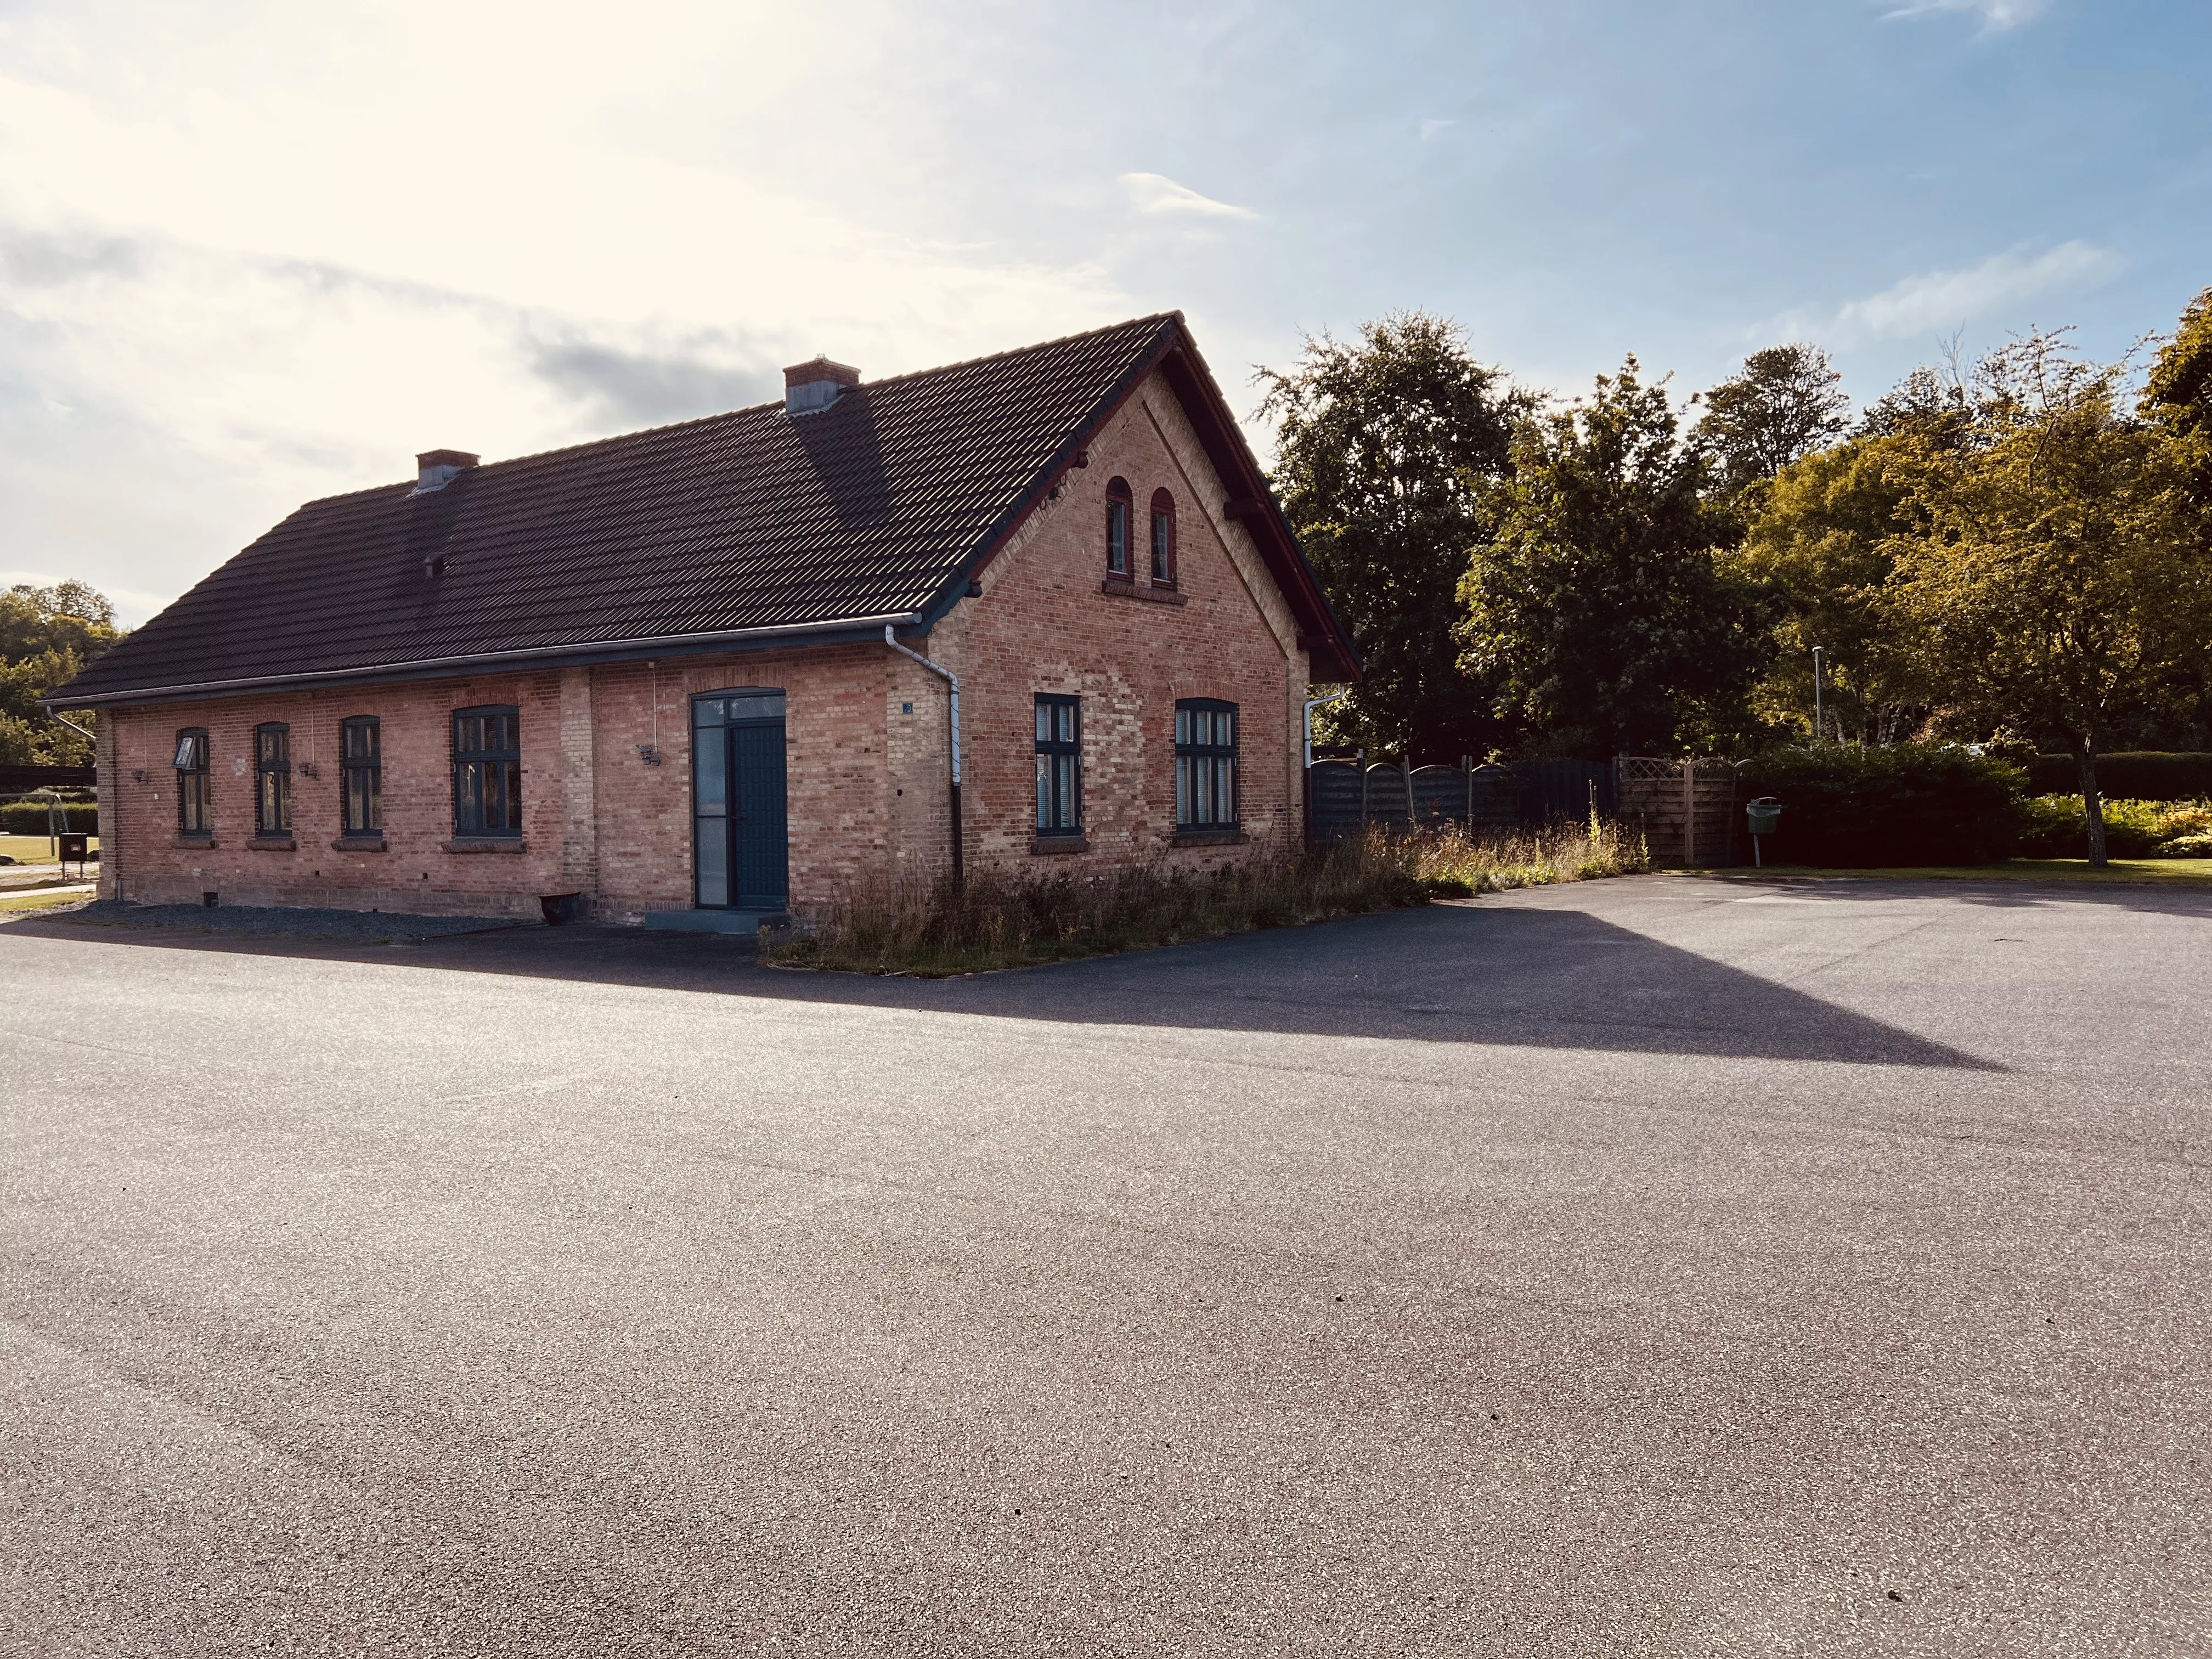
1163	547
1120	508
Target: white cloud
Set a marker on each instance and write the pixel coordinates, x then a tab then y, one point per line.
266	252
1997	16
1935	300
1431	127
1153	193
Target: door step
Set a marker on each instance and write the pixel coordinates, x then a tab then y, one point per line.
747	922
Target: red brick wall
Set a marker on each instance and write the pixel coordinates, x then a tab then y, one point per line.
1043	624
865	730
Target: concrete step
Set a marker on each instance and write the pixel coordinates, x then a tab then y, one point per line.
747	922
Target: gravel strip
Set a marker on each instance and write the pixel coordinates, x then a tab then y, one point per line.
369	924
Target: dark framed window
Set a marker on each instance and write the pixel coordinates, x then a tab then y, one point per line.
1206	765
194	816
487	771
361	773
1120	509
1163	547
1059	765
272	779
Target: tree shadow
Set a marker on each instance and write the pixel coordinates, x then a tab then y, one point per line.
1478	973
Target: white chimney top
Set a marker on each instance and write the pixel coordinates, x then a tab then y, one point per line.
438	467
810	387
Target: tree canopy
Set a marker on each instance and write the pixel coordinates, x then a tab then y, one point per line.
2057	577
1382	449
1596	608
46	634
1783	403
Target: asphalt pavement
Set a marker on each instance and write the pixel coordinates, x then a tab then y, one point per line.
1665	1265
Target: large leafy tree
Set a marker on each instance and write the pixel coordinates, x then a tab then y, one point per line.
2058	575
1818	543
1783	403
1382	448
1598	608
2177	397
46	634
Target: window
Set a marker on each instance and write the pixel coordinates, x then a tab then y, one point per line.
361	766
193	815
1059	765
272	780
1206	765
1121	507
1164	569
487	772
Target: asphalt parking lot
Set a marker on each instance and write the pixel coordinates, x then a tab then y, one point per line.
1663	1265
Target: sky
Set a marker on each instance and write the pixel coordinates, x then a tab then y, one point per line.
255	254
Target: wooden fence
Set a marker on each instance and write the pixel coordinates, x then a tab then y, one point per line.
1691	811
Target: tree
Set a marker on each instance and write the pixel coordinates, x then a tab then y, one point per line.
1597	607
1783	403
1818	542
47	636
1382	449
2058	575
2178	397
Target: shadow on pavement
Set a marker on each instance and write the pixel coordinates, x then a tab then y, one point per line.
1477	974
2181	898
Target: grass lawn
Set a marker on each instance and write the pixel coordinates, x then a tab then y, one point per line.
40	899
2165	872
32	849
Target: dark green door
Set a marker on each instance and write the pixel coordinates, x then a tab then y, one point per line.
741	834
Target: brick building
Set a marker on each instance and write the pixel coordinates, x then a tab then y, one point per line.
698	673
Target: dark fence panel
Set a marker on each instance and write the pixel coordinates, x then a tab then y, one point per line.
1562	789
1494	797
1332	798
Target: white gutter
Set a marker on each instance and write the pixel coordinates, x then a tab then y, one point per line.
952	681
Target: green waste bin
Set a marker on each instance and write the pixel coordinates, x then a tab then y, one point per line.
1765	815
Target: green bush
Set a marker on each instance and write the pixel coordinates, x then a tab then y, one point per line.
28	817
2131	775
1913	803
2052	828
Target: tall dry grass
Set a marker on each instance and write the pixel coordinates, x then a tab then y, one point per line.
1002	920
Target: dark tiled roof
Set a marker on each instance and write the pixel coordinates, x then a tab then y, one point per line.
872	508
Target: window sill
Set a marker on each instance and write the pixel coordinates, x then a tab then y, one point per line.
1210	838
1060	844
272	844
358	844
483	844
200	843
1126	590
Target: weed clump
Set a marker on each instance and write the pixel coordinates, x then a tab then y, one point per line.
1003	919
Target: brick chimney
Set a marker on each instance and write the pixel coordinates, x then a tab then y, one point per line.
436	468
810	387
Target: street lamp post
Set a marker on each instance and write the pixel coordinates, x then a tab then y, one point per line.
1819	722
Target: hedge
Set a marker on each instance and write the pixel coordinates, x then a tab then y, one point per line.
2054	828
1913	803
28	817
2129	775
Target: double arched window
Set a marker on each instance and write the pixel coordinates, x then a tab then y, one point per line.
1160	545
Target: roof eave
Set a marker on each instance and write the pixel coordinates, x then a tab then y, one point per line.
843	630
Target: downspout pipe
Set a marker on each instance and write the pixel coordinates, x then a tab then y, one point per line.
952	681
110	848
1313	703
